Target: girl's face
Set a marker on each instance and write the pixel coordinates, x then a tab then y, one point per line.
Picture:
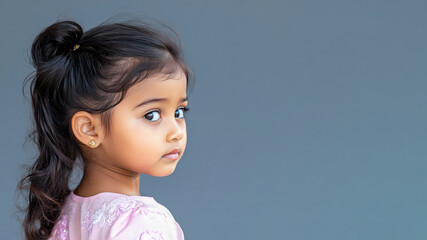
141	134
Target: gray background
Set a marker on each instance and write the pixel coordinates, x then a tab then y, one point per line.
307	121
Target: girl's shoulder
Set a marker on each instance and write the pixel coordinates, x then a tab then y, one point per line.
116	216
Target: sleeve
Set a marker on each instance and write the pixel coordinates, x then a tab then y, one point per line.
143	223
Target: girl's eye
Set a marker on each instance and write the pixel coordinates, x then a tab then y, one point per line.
149	116
155	115
184	109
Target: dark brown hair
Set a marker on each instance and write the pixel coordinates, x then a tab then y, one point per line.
89	71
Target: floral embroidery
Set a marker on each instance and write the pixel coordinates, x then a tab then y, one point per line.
62	228
150	235
85	220
109	212
60	231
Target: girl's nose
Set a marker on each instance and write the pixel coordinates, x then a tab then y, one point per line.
176	132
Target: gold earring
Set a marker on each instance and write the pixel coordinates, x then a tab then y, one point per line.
92	143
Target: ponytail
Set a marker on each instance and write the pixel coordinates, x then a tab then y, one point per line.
47	180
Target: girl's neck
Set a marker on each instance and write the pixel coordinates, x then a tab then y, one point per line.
97	179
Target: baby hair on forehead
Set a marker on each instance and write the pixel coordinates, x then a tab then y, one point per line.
77	70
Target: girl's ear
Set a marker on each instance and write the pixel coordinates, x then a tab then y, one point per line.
87	128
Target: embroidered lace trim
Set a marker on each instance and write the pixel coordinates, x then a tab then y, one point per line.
109	212
106	215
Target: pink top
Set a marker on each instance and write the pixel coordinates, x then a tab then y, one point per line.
109	215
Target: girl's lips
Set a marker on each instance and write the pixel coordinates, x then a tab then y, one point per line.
174	154
175	150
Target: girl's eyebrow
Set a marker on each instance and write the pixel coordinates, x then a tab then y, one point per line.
157	100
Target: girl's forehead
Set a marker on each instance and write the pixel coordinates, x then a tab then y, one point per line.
160	85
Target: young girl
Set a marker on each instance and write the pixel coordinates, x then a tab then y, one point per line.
113	97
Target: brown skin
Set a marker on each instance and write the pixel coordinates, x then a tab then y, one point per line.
139	137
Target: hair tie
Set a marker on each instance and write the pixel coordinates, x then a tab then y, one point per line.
76	47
